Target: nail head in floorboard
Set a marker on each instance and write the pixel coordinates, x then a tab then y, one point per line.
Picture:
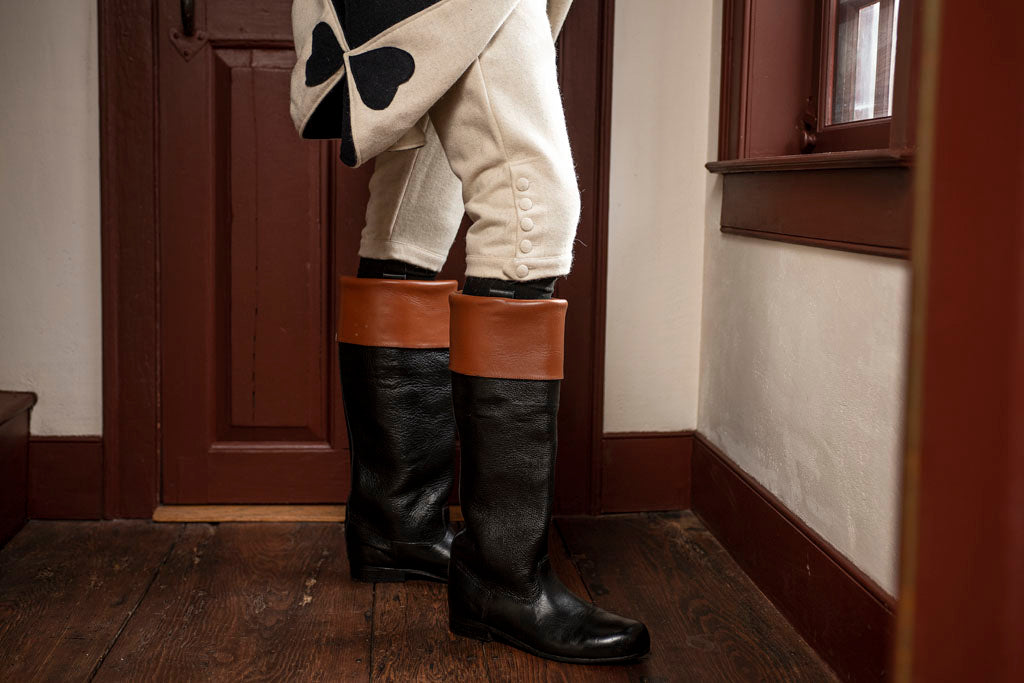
250	601
66	590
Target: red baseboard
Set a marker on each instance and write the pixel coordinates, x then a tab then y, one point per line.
642	471
645	471
65	477
839	611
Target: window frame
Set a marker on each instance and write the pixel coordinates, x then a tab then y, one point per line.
873	133
776	64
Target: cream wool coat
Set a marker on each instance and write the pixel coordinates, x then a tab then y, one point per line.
368	71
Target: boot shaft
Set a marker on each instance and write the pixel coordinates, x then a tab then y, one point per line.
401	438
508	430
392	349
506	360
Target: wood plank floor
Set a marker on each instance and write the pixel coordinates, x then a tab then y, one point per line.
138	601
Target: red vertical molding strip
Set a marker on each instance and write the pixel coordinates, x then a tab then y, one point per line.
961	601
585	57
600	296
129	243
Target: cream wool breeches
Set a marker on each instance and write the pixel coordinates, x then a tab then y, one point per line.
493	145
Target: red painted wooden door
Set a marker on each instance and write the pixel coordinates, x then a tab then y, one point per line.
254	226
248	214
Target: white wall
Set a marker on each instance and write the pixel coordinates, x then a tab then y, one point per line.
49	212
803	379
660	118
792	356
803	383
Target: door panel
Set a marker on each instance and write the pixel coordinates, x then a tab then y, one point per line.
247	265
273	301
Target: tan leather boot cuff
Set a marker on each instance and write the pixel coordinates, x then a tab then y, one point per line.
506	338
405	314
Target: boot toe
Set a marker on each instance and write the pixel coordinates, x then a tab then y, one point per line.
636	640
616	638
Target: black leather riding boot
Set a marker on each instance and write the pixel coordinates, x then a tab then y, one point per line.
393	338
506	360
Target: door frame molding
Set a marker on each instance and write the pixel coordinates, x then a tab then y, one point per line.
130	249
960	572
129	243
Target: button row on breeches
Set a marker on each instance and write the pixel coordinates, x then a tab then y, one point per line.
526	223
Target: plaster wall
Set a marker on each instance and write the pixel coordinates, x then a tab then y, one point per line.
803	378
661	114
50	320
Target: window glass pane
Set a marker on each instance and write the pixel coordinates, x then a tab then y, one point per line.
864	58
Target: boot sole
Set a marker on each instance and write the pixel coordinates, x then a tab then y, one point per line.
485	633
392	575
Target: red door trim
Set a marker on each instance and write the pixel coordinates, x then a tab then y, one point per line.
961	612
130	239
586	50
128	187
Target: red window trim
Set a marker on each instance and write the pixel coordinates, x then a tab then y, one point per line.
853	158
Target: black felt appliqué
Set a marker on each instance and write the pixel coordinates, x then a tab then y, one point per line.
339	10
332	119
379	73
326	58
348	152
363	19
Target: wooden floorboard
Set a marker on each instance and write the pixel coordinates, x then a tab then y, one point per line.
708	621
250	602
119	601
411	640
67	589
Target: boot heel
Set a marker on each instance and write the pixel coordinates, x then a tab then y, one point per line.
377	575
470	629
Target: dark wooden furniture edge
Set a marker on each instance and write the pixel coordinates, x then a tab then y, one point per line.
867	158
14	403
842	613
65	477
645	471
15	415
